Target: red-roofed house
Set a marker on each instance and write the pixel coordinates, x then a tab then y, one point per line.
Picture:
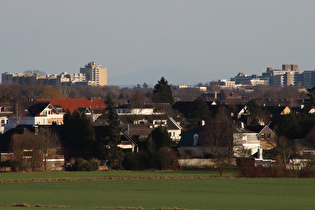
73	104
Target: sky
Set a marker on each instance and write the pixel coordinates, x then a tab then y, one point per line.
211	39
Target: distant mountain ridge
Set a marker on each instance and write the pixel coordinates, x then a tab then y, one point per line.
174	76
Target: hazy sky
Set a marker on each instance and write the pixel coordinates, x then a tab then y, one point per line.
213	38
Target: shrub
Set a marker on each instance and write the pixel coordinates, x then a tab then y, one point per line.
245	162
187	154
95	164
136	161
167	158
267	172
84	165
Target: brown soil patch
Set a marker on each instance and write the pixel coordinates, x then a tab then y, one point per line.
101	178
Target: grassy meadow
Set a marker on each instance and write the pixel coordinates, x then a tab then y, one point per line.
198	193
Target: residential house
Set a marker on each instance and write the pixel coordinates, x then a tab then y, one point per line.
275	111
92	107
302	154
5	112
244	141
38	113
234	111
139	122
265	135
190	141
53	158
127	143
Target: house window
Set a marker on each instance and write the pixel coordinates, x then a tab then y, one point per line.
262	135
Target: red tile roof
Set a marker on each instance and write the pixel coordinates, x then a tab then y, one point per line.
74	103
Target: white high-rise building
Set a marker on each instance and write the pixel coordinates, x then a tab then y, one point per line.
95	74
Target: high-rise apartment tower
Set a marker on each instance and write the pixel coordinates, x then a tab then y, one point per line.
95	74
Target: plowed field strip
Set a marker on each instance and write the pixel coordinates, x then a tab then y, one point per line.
102	178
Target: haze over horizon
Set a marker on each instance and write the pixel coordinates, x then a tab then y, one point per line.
192	41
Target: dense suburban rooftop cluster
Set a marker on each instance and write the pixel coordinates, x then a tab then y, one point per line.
160	127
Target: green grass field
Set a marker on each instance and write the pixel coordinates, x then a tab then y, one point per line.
212	193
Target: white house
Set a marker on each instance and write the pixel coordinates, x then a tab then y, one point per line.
141	121
245	140
37	114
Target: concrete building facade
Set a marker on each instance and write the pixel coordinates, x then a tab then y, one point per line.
95	73
91	74
288	75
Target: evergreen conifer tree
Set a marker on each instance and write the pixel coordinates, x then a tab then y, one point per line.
78	135
162	92
114	153
200	110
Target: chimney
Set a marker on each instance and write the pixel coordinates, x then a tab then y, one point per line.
260	154
215	94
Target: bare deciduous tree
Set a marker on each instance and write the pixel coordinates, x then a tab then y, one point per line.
47	141
218	135
31	150
18	112
283	150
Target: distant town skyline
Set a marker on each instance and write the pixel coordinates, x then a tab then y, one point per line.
192	41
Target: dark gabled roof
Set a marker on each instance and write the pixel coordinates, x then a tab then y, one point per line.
26	104
166	107
243	130
300	144
171	125
83	110
186	107
6	138
137	130
187	137
128	137
37	108
255	128
274	110
296	109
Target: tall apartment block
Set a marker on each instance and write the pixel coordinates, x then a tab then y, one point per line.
288	75
95	74
91	74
